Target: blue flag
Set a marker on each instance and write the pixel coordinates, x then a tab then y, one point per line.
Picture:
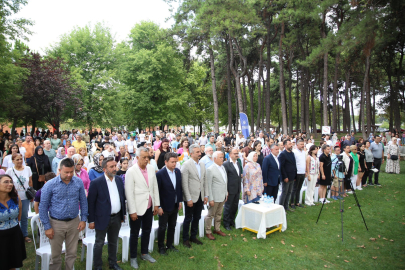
244	122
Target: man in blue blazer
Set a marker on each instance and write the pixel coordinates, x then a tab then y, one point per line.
171	196
288	169
271	172
106	200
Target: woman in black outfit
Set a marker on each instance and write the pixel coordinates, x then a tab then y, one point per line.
257	147
161	152
39	164
362	164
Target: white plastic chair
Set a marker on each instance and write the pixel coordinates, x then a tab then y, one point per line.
179	225
124	234
201	223
88	241
241	202
153	232
31	213
44	250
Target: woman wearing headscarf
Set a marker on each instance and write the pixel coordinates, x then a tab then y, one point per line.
60	154
96	171
334	139
393	156
40	165
252	179
81	172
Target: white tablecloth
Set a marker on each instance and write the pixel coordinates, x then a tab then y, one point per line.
258	217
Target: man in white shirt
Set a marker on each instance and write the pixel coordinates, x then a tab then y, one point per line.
119	142
109	151
328	141
261	138
240	139
106	216
141	136
130	146
203	139
300	158
217	189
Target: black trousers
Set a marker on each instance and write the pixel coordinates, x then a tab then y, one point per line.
271	191
286	193
366	173
112	232
230	209
167	221
145	222
192	216
295	195
377	165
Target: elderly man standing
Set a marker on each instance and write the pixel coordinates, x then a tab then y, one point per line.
377	149
195	194
288	169
234	172
55	142
48	151
142	193
79	143
271	172
59	213
208	160
218	194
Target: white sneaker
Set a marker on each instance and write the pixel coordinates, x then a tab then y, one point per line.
326	201
321	200
312	204
359	188
349	192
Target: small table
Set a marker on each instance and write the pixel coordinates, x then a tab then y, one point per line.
257	217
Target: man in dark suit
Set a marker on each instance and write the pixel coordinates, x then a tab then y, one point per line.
271	172
234	171
107	210
171	196
288	168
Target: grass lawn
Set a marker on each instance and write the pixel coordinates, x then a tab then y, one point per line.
304	245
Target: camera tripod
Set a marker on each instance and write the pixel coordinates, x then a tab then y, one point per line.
341	201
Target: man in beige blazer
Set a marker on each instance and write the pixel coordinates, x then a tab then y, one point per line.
218	194
142	193
195	194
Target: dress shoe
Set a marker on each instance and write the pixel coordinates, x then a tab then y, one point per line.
172	248
148	258
198	242
292	206
299	205
220	233
210	236
187	244
162	251
228	228
290	209
134	263
115	266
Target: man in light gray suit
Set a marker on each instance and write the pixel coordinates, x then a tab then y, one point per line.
218	194
195	194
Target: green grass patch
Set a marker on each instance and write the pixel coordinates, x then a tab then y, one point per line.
304	245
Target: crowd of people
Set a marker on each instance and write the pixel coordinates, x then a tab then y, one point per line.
109	176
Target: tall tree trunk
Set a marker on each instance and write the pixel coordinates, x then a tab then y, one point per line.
259	88
214	89
307	97
313	108
244	95
14	126
363	93
268	103
34	125
228	80
252	119
235	71
347	101
368	104
302	87
335	93
290	124
325	74
282	84
297	99
399	80
351	103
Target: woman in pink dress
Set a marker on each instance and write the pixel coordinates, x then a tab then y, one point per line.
81	172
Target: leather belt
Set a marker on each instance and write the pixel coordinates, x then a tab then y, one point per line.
66	219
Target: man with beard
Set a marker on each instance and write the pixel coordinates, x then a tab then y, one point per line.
105	216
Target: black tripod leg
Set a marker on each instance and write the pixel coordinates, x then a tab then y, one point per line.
358	205
320	211
341	202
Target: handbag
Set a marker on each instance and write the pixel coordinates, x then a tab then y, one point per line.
41	177
394	157
29	192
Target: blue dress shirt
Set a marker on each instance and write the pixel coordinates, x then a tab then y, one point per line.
172	176
62	200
